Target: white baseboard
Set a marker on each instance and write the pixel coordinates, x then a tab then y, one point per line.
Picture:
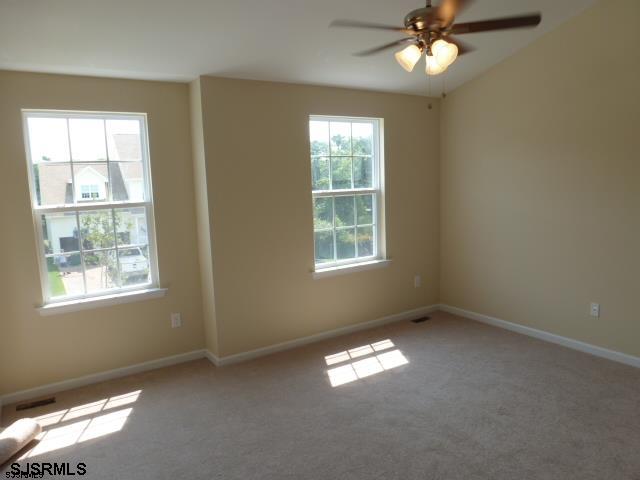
279	347
549	337
209	355
99	377
196	354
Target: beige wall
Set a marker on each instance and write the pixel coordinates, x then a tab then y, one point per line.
203	222
528	214
259	177
541	183
36	350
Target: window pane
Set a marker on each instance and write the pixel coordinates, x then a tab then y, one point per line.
52	183
340	138
341	171
134	266
96	227
365	241
324	246
131	225
319	137
320	173
64	275
48	139
345	243
362	172
87	139
364	208
124	140
127	181
362	138
101	270
345	215
322	213
91	182
60	233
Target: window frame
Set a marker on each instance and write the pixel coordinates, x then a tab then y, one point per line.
93	193
377	190
78	207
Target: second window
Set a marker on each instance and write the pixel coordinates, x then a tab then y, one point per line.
346	189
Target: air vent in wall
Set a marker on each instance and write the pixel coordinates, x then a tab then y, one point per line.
421	319
35	403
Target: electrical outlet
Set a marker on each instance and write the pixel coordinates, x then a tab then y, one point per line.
176	320
595	310
417	281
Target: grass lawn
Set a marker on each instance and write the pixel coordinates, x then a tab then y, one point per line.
55	280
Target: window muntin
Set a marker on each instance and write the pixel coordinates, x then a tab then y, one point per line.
92	202
346	176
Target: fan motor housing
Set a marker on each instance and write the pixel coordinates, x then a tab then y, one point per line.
419	19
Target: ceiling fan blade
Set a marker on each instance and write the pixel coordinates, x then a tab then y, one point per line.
449	9
375	26
463	47
496	24
381	48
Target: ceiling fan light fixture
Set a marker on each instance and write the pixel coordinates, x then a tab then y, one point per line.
444	52
408	57
433	66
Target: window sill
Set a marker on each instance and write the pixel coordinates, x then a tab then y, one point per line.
104	301
350	268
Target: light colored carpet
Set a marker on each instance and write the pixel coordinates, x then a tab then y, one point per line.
473	402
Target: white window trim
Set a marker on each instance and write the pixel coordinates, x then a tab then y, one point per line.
349	268
340	267
88	300
102	301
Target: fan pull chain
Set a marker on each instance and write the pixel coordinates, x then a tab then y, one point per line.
444	85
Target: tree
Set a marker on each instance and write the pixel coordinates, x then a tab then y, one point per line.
98	232
342	147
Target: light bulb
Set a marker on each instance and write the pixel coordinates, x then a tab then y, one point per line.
408	57
433	67
445	52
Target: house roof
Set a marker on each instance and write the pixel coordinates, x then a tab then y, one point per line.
55	180
127	146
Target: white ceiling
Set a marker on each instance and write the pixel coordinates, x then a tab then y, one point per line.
281	40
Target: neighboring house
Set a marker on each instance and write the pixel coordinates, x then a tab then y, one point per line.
92	185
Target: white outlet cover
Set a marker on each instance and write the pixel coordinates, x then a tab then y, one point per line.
176	320
595	309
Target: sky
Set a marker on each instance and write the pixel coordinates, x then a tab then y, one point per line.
48	137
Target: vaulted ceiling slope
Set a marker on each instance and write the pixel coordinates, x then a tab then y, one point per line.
278	40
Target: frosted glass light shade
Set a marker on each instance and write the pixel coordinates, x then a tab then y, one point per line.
433	67
408	57
445	52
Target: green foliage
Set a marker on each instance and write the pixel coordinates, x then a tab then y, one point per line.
364	209
55	280
345	216
342	148
98	232
323	213
320	173
324	246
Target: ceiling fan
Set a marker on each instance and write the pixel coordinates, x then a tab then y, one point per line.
430	30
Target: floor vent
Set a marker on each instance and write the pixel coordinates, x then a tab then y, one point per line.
35	403
421	319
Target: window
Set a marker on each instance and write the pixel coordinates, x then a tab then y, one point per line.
347	190
89	192
92	203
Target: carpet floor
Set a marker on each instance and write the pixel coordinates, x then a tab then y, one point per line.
444	399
